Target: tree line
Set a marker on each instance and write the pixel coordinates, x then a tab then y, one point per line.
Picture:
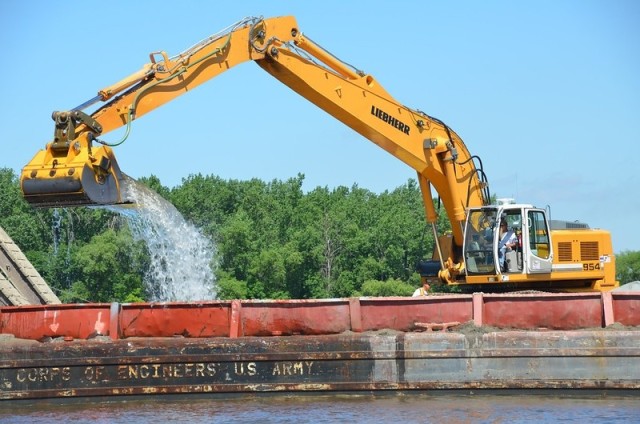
273	240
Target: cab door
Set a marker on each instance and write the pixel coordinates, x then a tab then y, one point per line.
537	249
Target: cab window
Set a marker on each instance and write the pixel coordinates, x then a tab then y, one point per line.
538	234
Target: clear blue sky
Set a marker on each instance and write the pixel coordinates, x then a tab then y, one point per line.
546	92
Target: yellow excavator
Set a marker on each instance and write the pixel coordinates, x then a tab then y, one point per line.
501	246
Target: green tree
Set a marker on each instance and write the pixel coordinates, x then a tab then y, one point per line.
154	184
391	287
110	268
628	266
28	227
207	201
230	287
236	242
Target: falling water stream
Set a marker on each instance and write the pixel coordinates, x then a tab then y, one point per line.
181	256
57	229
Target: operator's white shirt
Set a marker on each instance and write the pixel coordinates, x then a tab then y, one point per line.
420	291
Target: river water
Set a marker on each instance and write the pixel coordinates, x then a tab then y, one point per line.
405	408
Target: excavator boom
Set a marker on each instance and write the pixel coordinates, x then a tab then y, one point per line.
79	168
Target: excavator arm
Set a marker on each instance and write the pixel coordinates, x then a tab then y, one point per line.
79	168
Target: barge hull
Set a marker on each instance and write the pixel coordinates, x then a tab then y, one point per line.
467	342
602	359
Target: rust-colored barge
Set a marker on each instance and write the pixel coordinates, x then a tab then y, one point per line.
479	341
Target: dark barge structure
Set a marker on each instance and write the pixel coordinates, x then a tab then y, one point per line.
468	342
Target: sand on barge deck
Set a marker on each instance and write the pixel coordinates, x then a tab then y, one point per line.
536	341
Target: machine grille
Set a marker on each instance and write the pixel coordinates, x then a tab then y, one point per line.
564	252
589	251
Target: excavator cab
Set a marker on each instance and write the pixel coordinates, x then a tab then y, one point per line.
479	245
507	239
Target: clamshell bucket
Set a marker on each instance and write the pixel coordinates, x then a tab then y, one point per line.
81	178
71	170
